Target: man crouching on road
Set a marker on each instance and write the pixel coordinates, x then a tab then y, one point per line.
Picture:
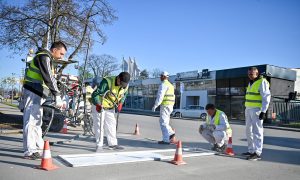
216	129
103	108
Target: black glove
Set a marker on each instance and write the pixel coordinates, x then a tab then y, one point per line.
262	116
201	128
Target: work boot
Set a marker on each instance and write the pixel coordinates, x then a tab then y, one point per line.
163	142
254	157
247	154
173	139
215	147
221	149
33	156
116	147
99	149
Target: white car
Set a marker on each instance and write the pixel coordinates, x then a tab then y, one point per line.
194	111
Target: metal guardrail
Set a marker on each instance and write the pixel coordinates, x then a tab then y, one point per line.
286	112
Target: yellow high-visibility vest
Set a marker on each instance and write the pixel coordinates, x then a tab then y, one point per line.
217	122
169	98
253	97
33	73
115	95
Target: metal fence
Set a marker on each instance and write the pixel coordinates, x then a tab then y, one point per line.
286	112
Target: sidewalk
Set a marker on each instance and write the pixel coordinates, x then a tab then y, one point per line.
11	119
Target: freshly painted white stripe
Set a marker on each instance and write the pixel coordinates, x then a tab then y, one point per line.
116	153
124	157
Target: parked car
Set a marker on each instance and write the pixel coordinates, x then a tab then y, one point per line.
194	111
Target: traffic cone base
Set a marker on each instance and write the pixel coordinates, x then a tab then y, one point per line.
46	167
178	162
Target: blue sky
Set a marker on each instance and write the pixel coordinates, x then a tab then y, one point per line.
186	35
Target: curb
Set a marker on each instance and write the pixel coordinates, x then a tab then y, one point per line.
282	128
10	131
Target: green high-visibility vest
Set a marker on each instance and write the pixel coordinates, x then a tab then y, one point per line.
33	73
169	98
217	122
253	97
115	95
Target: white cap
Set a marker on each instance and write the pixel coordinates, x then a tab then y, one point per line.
165	73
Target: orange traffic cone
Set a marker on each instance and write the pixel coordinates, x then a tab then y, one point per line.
65	127
178	155
137	130
229	149
46	163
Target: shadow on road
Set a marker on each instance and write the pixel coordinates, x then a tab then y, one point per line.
18	163
281	141
271	155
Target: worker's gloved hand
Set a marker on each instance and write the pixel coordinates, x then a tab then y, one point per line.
98	108
262	116
58	102
153	109
120	107
201	128
211	127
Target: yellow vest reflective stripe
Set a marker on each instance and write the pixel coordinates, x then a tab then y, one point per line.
115	95
253	97
169	98
217	121
33	74
89	91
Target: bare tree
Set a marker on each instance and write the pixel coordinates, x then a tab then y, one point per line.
103	65
72	21
156	72
144	74
3	85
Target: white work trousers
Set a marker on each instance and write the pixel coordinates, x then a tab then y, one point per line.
32	123
254	130
214	137
104	124
164	121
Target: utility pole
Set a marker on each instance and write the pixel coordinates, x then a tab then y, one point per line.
48	28
12	86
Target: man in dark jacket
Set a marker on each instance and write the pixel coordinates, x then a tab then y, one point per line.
39	82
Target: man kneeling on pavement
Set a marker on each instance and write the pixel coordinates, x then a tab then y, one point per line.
216	129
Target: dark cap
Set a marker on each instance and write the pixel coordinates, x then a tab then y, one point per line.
253	68
124	78
210	106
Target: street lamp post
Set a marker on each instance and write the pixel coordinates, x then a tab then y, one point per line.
12	86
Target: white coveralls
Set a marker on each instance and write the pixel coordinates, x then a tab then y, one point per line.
105	125
219	135
165	112
254	126
32	120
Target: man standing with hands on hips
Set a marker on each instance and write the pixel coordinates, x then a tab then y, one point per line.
258	97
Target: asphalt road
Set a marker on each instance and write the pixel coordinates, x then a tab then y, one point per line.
281	155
